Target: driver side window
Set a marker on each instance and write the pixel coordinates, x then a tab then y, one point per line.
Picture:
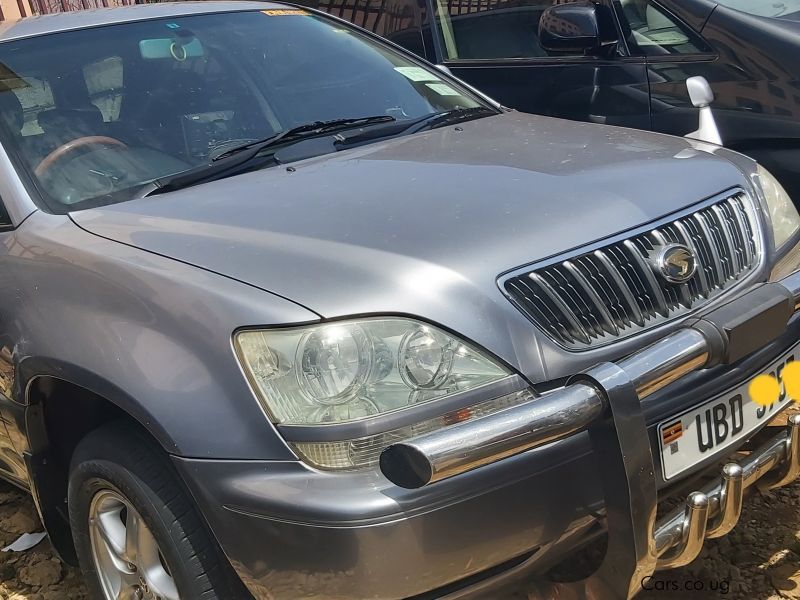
479	30
655	32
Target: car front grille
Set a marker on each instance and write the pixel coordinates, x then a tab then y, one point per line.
611	292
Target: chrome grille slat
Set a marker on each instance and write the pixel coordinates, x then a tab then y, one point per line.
730	250
712	247
575	302
575	327
612	292
701	244
634	311
649	277
589	290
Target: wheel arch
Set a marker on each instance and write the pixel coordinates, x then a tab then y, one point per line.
63	404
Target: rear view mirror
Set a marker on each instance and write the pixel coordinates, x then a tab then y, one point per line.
571	28
174	48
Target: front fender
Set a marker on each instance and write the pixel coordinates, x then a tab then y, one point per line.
149	334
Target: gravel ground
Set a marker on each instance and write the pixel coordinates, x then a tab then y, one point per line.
759	560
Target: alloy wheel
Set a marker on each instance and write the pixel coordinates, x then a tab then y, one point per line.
128	561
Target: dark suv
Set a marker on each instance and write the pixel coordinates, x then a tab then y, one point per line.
619	62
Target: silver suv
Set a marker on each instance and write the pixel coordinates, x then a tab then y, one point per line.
289	313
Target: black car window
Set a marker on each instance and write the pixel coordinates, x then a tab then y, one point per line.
399	21
776	9
654	32
480	30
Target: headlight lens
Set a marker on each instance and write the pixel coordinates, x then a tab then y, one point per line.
349	371
782	212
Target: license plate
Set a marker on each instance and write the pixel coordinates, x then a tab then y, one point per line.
689	438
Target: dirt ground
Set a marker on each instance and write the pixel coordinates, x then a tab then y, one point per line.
759	560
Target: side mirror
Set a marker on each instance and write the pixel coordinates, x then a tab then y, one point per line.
573	27
702	96
444	69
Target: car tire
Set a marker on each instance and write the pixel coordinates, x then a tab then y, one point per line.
124	496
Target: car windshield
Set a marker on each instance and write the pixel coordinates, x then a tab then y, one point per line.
766	8
95	115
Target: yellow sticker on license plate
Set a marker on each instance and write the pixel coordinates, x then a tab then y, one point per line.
705	431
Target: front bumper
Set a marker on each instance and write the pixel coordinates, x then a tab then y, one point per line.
292	532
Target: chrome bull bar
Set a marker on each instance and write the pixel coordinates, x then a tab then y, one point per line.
606	402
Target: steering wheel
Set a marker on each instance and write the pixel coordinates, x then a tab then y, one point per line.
73	145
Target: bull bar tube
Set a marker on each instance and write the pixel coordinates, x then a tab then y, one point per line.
605	401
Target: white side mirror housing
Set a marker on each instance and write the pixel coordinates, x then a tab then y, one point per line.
700	92
702	96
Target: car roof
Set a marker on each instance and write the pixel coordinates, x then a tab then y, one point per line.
81	19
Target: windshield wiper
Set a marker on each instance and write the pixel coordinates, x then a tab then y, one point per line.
305	130
449	117
238	159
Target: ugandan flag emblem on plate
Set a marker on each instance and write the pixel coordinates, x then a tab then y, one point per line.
671	433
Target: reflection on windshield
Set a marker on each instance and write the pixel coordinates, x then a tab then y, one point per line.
764	8
128	104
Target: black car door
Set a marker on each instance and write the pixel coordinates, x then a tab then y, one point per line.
751	62
494	46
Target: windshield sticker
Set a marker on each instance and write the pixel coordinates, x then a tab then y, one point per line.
416	74
283	12
442	89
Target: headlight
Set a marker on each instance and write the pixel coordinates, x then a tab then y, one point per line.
346	372
782	213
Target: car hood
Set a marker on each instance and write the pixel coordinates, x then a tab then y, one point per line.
422	224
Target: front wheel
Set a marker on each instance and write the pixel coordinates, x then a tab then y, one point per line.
137	534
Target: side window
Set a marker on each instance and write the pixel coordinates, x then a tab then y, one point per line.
399	21
654	32
475	29
35	97
104	84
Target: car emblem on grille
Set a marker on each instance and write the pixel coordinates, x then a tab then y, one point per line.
674	262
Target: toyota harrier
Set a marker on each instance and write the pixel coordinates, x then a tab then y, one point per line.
288	313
